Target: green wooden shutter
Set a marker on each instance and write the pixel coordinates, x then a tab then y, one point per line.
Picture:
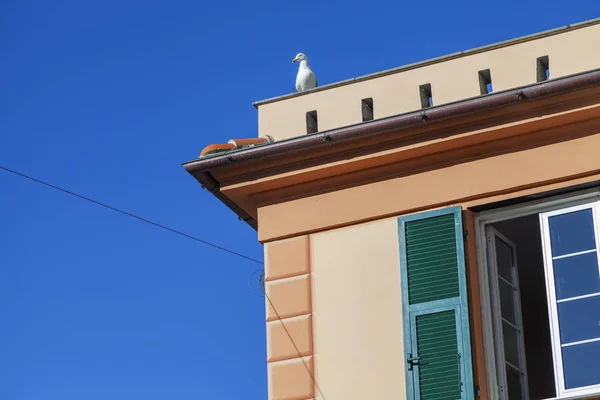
434	304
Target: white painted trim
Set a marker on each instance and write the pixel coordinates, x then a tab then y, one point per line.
498	319
597	232
511	212
574	396
580	342
584	296
537	206
551	293
486	321
552	315
566	209
581	392
519	319
495	320
579	253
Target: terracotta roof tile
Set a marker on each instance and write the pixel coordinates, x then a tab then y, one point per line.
234	144
216	148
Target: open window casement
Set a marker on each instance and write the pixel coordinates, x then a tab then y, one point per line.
435	309
505	301
571	246
539	295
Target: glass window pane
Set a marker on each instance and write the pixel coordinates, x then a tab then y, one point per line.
572	232
507	301
579	319
504	258
511	344
513	381
580	364
576	275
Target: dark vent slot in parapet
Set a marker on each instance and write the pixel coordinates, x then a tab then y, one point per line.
367	109
485	81
543	69
426	96
312	124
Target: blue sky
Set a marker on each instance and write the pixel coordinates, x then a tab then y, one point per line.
107	99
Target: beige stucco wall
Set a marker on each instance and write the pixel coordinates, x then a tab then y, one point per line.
338	295
357	312
452	79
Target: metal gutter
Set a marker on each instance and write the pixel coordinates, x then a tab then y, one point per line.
209	183
434	60
200	168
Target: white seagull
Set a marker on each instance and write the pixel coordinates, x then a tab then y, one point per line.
305	79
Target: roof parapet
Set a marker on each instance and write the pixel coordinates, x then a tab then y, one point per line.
201	168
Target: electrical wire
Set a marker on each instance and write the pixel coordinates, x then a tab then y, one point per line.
205	242
235	253
261	283
310	373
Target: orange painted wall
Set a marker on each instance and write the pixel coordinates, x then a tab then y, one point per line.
289	315
472	182
338	293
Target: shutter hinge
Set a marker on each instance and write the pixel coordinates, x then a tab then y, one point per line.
412	361
465	235
477	390
460	384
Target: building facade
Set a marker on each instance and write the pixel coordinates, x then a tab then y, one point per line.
431	231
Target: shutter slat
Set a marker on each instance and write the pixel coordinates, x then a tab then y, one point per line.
433	266
420	278
445	241
432	241
430	297
432	222
424	256
437	346
442	234
434	306
445	284
431	259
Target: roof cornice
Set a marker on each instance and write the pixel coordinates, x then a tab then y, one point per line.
201	168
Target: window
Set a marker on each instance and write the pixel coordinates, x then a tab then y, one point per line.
571	260
506	310
539	276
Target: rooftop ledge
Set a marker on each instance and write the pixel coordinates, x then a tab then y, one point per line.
495	68
435	60
266	155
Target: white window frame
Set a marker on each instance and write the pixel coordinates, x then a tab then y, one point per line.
484	218
496	313
561	391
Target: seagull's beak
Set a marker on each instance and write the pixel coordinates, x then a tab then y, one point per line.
295	59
